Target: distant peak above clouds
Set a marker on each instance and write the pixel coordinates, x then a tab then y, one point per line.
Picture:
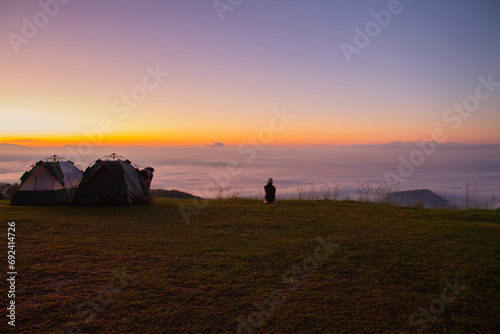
11	145
397	142
217	144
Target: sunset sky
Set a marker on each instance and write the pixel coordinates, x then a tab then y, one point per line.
73	72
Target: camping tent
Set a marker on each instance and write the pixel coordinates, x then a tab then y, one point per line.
111	180
50	181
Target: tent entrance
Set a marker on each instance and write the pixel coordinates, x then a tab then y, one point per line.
41	180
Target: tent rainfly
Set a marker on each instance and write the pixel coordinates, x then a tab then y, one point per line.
50	181
111	180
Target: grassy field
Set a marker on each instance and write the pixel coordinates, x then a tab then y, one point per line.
242	266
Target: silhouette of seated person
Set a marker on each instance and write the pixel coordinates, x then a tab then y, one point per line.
147	176
270	192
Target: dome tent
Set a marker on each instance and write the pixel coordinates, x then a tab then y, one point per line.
51	181
111	180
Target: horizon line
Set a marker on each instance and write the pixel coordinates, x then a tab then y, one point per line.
220	145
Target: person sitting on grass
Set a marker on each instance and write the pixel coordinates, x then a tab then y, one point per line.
270	192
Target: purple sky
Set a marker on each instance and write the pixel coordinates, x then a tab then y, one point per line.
226	76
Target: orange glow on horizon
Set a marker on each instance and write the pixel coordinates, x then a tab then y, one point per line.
137	141
294	137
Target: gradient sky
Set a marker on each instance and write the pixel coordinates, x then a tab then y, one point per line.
227	76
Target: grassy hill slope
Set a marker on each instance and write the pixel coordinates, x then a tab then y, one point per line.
242	266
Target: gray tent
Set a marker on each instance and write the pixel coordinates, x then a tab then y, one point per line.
50	181
111	180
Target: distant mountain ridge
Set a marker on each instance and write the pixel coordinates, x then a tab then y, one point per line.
162	193
397	142
12	145
426	197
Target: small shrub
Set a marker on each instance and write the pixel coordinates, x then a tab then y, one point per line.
418	204
470	196
471	202
330	191
234	193
490	205
379	193
452	206
301	191
364	191
326	192
8	190
218	190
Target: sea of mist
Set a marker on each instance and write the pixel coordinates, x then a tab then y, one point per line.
444	168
